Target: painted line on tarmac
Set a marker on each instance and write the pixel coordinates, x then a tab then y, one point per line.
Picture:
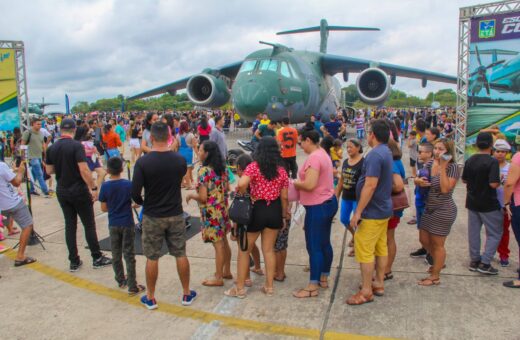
208	331
186	312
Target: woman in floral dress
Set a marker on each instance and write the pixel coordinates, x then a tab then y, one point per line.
212	186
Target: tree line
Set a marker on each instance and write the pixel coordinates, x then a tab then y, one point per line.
180	102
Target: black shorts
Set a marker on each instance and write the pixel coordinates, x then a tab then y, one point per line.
412	162
266	216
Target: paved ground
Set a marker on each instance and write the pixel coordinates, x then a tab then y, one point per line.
44	301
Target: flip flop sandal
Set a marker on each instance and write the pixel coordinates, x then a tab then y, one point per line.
510	284
359	299
280	279
258	271
378	291
122	284
388	276
309	293
235	292
268	291
324	284
13	232
424	282
27	260
213	283
140	289
351	253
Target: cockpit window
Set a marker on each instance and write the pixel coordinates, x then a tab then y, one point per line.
269	65
293	71
284	70
248	66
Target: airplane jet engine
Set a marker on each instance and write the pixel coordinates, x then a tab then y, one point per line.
206	90
373	86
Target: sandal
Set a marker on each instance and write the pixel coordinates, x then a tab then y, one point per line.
351	253
427	282
388	276
282	279
305	293
258	271
268	291
378	291
14	232
139	289
122	284
27	260
359	299
247	282
213	283
235	292
512	284
324	284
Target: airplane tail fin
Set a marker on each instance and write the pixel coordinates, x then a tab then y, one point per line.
324	29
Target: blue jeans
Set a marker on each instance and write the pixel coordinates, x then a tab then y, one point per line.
347	208
318	223
360	134
37	173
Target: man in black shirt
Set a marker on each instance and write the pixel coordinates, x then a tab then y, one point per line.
160	173
482	177
66	158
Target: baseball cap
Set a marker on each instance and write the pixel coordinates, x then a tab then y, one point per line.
68	124
502	145
484	140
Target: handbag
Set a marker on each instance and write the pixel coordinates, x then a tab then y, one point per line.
241	210
400	201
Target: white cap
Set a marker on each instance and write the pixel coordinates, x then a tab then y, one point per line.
502	145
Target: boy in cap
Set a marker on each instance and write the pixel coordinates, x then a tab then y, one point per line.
482	177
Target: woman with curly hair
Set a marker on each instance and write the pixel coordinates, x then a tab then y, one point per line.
211	196
268	182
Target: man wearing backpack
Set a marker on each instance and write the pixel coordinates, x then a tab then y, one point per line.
37	146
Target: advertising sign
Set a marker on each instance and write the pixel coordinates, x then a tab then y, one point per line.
9	118
494	78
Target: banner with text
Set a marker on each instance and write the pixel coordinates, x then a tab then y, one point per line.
9	117
494	79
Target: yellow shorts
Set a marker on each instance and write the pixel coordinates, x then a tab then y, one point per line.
370	240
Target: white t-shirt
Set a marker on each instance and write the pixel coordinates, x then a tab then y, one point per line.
211	122
9	197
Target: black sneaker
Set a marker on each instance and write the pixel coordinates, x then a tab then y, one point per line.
473	266
74	267
428	259
487	269
101	262
421	252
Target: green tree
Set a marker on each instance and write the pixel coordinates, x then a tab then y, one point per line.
81	107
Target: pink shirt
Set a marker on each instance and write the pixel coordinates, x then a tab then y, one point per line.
320	161
516	191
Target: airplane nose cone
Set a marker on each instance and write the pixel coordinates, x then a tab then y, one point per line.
250	99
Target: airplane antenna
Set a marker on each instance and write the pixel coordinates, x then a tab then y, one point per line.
324	29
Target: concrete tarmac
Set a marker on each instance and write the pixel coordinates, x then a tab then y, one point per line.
45	301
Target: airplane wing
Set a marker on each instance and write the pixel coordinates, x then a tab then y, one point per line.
499	87
333	64
229	71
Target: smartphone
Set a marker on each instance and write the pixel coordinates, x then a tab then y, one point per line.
446	157
24	149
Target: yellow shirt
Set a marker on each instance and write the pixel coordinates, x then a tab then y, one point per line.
336	155
265	121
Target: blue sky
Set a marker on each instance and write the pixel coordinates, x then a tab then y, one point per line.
97	49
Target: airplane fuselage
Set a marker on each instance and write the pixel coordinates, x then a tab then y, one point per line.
285	83
507	74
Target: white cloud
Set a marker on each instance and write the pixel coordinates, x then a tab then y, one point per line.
96	49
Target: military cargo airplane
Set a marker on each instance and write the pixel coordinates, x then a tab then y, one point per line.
503	77
284	82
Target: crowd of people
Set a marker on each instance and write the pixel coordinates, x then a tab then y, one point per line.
368	186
